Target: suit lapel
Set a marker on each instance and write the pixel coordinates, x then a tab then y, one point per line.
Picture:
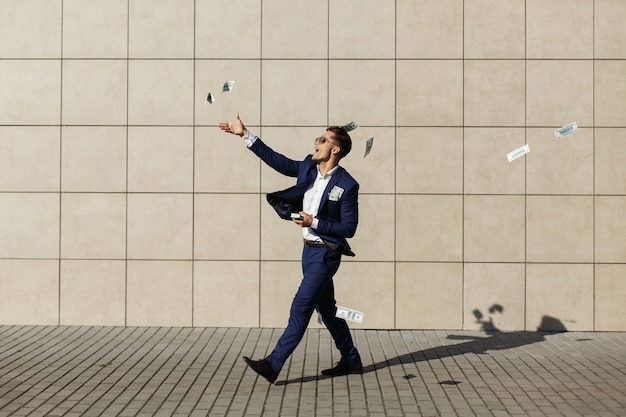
333	181
290	200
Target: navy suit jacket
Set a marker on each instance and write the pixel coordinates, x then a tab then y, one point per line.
338	217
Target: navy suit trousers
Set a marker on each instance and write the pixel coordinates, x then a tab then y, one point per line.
316	291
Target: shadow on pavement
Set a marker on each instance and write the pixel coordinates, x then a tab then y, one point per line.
494	341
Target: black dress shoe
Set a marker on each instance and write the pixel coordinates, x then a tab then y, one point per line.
344	369
263	368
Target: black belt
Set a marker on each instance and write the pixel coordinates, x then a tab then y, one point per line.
316	244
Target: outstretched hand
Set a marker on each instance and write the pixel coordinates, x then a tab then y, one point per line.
236	127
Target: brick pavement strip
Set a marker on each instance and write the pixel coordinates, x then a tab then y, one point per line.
148	371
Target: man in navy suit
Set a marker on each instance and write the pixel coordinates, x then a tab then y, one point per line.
326	198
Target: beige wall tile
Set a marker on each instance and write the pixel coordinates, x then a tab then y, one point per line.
499	33
367	287
39	103
94	92
429	295
306	103
29	160
29	225
160	92
166	31
610	229
160	159
218	37
381	178
159	293
610	161
429	228
374	238
494	93
610	93
93	293
430	160
428	29
447	88
95	29
363	91
570	38
295	29
559	229
29	292
494	228
280	239
486	167
559	92
94	159
93	226
610	292
609	29
429	93
562	166
279	283
226	226
30	29
494	296
226	294
160	226
350	38
245	97
562	292
215	153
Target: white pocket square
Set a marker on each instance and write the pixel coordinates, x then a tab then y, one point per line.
335	194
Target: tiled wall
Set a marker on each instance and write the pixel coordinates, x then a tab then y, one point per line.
122	203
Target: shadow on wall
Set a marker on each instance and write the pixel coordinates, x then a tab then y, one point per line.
548	324
495	340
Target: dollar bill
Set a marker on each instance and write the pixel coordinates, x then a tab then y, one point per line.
350	127
210	99
368	146
228	86
566	130
518	152
349	314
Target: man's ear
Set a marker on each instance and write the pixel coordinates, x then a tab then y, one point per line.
336	150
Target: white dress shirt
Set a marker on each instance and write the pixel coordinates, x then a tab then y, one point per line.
311	203
312	197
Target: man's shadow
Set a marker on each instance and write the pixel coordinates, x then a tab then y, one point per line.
495	340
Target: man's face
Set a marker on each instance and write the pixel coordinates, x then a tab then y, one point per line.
325	146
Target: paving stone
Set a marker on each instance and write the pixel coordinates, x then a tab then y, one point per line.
72	371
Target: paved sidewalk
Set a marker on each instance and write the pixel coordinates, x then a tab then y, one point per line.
117	371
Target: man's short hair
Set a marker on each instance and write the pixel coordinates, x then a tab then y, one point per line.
341	137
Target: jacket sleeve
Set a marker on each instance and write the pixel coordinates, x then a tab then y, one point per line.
275	160
346	226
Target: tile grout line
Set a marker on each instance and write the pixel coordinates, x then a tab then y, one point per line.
60	241
127	163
